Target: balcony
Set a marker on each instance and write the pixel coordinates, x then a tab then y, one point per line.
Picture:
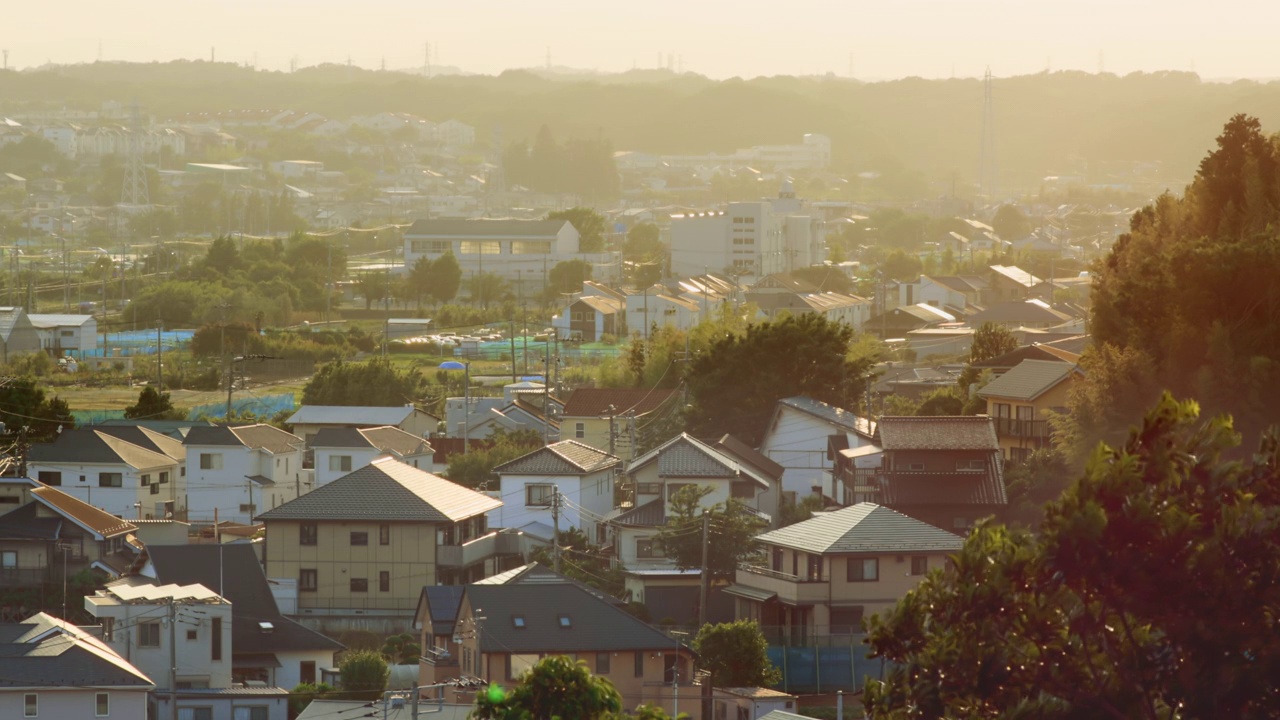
24	577
477	550
1031	432
789	588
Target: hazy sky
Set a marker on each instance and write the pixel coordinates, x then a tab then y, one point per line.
886	38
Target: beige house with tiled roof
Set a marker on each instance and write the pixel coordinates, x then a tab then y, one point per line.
1021	401
372	538
824	575
604	417
45	524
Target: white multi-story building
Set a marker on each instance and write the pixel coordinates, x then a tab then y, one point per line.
127	471
338	451
243	471
66	334
581	475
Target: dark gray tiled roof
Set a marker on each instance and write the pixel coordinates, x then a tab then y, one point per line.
745	454
386	490
862	528
235	573
213	435
567	457
949	432
24	524
595	624
650	514
442	605
1028	380
64	656
89	446
684	456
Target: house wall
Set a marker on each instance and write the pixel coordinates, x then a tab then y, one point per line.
74	703
224	707
410	558
289	674
194	657
798	442
1055	397
593	492
230	490
359	458
118	501
595	432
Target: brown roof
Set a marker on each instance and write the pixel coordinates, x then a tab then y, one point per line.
595	402
269	438
914	489
746	454
944	432
87	516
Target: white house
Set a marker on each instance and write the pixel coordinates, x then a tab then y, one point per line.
658	306
579	474
798	438
52	669
338	451
243	471
311	419
66	334
138	477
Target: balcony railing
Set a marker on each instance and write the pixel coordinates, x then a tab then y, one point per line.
1031	429
24	577
788	587
477	550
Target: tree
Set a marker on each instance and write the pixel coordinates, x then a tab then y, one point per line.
153	405
901	266
735	385
589	224
1142	596
302	695
363	675
567	277
732	528
488	287
445	278
1117	384
1032	484
401	649
374	287
943	401
474	469
644	242
371	383
991	341
736	655
556	687
1010	224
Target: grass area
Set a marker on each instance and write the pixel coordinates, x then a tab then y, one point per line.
120	397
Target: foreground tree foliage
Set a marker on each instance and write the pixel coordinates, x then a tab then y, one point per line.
154	405
1150	592
364	675
731	526
735	384
736	655
557	687
370	383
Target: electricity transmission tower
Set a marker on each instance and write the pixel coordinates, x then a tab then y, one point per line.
134	191
990	169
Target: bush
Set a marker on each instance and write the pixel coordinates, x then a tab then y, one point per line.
364	675
303	694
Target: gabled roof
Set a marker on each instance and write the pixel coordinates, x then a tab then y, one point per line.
943	432
387	438
567	457
907	489
46	652
1035	351
1029	379
484	227
101	524
837	417
650	514
25	523
740	451
684	456
954	282
90	446
386	490
537	574
603	305
1019	311
147	439
353	416
234	572
1016	274
440	602
595	402
595	625
862	528
259	437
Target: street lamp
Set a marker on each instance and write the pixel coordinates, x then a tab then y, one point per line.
465	367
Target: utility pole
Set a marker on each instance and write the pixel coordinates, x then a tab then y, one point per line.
173	660
513	347
702	586
159	355
631	422
546	395
555	525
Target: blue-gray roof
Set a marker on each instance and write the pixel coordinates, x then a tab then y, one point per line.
862	528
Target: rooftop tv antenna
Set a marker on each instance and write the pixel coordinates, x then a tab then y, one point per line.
989	169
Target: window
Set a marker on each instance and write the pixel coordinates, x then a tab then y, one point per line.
580	430
49	477
777	560
384	581
602	663
308	580
517	622
744	489
9	560
530	247
149	635
538	495
199	713
257	712
976	464
192	634
919	565
340	463
673	488
359	585
210	461
479	247
915	466
639	663
110	480
647	548
430	246
307	534
215	639
102	705
959	523
359	538
650	488
814	568
108	629
164	477
155	490
863	570
146	479
244	507
30	705
307	671
565	621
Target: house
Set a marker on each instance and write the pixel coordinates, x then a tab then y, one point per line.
1001	364
944	470
952	293
797	439
1010	282
310	419
266	647
898	321
1021	401
242	470
51	535
653	480
505	630
657	306
592	317
568	478
1013	314
606	418
372	538
17	334
946	341
66	334
513	416
50	668
338	451
123	478
751	703
781	293
825	574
